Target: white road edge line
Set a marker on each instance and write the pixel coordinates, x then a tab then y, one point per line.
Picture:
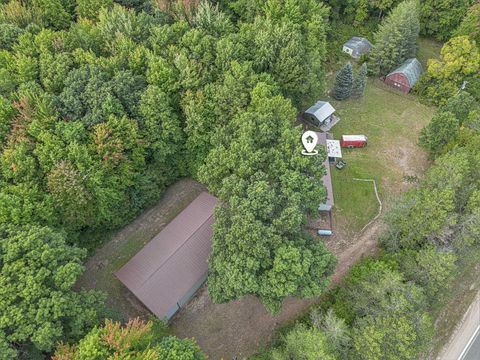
469	344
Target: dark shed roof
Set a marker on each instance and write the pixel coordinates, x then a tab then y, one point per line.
321	110
174	261
359	45
411	68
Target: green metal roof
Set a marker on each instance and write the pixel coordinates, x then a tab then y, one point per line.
411	68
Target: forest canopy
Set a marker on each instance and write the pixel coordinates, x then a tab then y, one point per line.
105	104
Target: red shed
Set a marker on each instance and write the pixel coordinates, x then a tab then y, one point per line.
353	141
405	76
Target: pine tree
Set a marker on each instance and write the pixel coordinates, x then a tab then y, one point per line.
343	83
360	82
396	39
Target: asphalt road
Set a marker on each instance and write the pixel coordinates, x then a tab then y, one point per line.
465	343
472	351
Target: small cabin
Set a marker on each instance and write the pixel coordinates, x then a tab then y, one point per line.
357	46
321	115
405	77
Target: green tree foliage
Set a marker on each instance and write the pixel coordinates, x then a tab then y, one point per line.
90	9
360	82
102	107
470	25
443	128
258	244
396	39
91	95
288	40
52	13
387	313
382	6
360	11
37	273
342	88
392	337
455	171
8	35
430	268
459	62
420	216
336	331
439	18
461	105
136	339
304	344
470	230
374	288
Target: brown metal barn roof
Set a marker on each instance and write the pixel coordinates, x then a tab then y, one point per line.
174	262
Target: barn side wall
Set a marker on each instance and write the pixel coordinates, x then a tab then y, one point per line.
398	81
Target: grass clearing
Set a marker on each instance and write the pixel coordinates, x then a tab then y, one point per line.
428	49
392	121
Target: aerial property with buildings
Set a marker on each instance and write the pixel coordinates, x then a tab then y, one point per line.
264	180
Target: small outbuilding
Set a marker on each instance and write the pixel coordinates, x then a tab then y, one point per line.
168	271
321	115
357	46
405	77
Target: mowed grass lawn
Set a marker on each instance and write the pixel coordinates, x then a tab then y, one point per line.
392	122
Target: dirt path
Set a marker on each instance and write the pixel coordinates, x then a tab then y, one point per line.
239	328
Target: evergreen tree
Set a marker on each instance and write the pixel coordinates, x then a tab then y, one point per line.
343	83
396	39
360	82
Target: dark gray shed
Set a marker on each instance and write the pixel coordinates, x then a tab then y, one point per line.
321	115
357	46
168	271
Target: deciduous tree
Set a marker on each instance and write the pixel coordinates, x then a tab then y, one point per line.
459	62
470	25
136	339
443	128
37	273
439	18
304	344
